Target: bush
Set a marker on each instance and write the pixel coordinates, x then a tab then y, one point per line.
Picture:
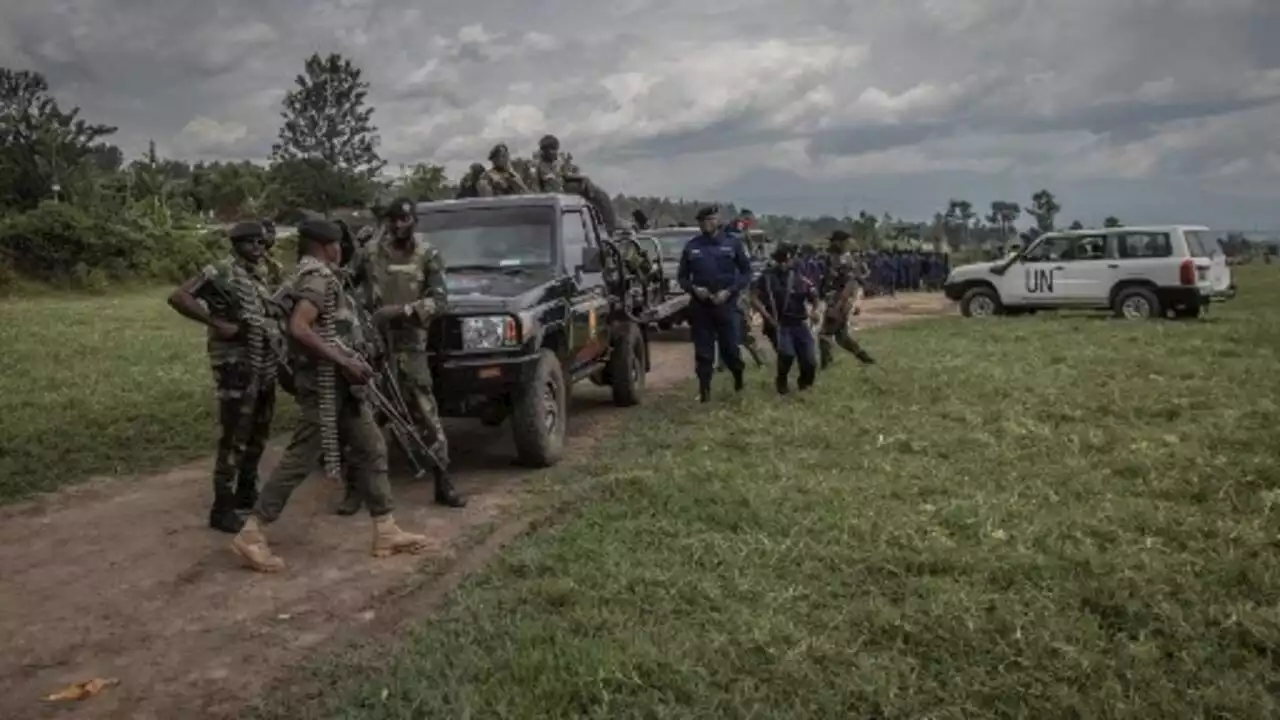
63	244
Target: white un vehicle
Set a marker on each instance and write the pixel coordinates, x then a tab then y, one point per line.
1136	272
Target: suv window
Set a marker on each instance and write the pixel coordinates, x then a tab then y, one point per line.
1202	244
1132	246
574	237
1051	249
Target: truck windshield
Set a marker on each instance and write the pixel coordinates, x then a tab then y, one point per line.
492	237
673	243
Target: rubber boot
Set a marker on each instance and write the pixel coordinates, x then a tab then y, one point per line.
389	539
223	517
246	493
352	500
446	494
738	382
781	385
704	394
251	545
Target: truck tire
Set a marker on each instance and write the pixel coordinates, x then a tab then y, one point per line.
627	367
981	301
538	414
1137	303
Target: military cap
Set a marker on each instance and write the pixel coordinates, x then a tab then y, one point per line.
707	212
401	207
840	236
549	142
245	230
320	231
497	150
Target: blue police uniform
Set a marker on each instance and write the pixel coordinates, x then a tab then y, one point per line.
716	262
785	291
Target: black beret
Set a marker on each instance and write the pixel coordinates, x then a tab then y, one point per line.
401	207
549	141
707	212
840	236
321	231
245	230
783	251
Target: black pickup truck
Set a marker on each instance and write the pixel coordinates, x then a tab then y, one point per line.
540	298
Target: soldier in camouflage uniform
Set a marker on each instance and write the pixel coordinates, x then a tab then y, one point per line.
554	174
334	421
840	289
233	299
548	170
467	187
401	278
501	179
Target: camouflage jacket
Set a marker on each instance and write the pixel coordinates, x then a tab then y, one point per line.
314	281
386	275
274	271
500	182
838	270
223	287
548	177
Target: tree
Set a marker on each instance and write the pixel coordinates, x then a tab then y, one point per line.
425	182
1076	225
328	136
1044	208
1003	215
1111	221
40	144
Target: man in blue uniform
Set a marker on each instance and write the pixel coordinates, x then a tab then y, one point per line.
714	269
782	294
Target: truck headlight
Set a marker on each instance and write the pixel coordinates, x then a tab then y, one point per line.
490	332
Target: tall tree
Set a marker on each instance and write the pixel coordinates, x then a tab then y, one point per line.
328	137
1111	221
1004	215
1044	208
40	143
425	182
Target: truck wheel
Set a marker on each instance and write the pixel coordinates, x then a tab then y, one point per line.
1136	303
538	414
626	367
981	302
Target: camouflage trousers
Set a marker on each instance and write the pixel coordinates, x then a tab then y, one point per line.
415	382
246	407
835	331
364	456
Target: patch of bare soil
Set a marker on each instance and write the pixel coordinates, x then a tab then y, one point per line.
120	578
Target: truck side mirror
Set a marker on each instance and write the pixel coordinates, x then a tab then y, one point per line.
592	260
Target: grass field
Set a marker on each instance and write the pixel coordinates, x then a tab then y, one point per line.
1048	517
100	385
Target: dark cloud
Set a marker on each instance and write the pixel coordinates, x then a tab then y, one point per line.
882	99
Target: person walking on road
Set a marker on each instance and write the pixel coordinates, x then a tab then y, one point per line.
714	269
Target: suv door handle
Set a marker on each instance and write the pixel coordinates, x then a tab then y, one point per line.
1058	267
1113	266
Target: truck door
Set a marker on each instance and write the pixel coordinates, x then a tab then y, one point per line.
1063	270
588	303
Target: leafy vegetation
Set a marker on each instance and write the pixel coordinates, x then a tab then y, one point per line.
101	386
1093	535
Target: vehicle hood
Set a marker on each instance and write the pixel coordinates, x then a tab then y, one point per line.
475	291
973	270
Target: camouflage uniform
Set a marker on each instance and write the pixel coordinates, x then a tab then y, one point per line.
244	373
334	424
390	276
500	182
548	175
838	271
468	186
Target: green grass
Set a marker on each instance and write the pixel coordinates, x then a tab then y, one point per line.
100	385
1048	517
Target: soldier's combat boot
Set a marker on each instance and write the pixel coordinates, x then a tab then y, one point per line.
446	494
389	539
738	382
864	357
223	517
352	500
251	545
704	393
246	493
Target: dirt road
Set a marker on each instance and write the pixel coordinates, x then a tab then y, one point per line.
120	578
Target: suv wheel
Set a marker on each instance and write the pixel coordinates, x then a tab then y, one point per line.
627	367
981	302
538	414
1136	303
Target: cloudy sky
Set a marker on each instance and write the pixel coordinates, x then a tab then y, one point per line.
1152	110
